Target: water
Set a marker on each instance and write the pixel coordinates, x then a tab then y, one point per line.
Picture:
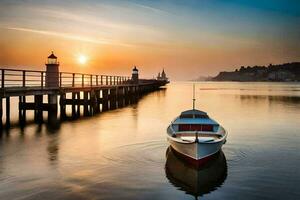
123	154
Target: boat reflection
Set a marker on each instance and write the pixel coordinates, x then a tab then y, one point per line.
195	181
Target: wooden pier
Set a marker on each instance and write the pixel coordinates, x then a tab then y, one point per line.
53	90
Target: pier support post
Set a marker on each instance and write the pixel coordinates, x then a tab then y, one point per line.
78	104
7	112
73	105
22	110
116	96
52	108
86	103
136	90
121	97
104	99
134	94
38	111
126	94
130	91
62	103
1	113
97	103
112	99
92	102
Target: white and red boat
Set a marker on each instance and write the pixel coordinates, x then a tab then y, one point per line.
195	135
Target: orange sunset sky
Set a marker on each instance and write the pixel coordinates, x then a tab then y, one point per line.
188	38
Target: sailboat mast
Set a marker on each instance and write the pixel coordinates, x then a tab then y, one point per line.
194	96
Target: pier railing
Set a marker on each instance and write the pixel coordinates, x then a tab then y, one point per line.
34	78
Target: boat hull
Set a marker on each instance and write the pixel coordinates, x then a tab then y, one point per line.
196	152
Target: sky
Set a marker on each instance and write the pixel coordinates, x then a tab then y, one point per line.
188	38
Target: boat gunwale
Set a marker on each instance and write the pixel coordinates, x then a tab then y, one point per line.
169	135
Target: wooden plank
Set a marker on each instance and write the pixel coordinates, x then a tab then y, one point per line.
75	101
32	106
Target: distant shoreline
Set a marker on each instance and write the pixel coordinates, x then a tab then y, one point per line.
287	72
254	81
245	81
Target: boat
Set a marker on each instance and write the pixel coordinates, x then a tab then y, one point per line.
195	135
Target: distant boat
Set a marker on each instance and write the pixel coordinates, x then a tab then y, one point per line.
195	135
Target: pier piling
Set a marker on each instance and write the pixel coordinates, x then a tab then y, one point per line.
62	104
73	105
1	113
7	112
86	103
52	108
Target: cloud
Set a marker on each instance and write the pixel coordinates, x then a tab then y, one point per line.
99	23
69	36
89	19
156	10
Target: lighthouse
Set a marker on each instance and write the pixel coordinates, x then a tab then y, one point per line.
135	75
52	71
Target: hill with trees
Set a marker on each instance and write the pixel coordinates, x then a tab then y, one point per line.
282	73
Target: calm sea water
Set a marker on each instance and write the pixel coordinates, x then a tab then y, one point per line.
123	154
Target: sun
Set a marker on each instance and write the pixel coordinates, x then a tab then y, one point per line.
82	59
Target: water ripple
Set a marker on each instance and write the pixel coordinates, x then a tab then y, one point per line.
150	153
235	156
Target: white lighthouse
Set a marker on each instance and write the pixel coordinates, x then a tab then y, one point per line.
52	71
